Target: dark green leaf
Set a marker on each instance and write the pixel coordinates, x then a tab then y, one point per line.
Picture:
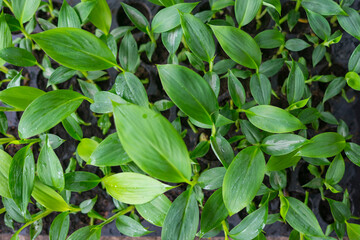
5	162
130	88
271	67
88	233
282	144
352	151
339	210
222	149
60	227
68	17
278	163
319	24
334	88
318	54
128	53
351	22
100	16
295	84
246	10
18	57
136	17
296	45
260	88
236	90
269	39
172	39
81	181
323	7
73	128
212	179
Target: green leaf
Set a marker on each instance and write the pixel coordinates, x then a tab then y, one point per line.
130	227
275	4
128	53
302	219
269	39
60	227
89	89
81	181
48	110
49	198
222	149
20	97
130	88
109	152
296	44
295	84
252	134
5	162
169	18
319	24
21	177
136	17
13	212
246	10
72	127
5	37
353	80
189	91
323	7
18	57
251	225
75	48
24	10
282	144
172	39
354	61
335	171
88	233
182	219
194	30
214	81
271	67
339	210
273	119
353	231
236	90
247	54
86	147
318	54
351	22
334	88
134	188
260	88
352	151
155	211
212	178
278	163
68	17
323	145
100	16
49	168
243	179
214	212
166	162
60	75
103	102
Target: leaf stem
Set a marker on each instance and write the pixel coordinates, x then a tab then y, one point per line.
40	66
4	69
2	210
298	4
226	230
8	5
112	218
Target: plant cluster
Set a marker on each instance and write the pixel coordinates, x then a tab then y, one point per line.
223	82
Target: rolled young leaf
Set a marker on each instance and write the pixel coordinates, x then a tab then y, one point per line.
247	54
273	119
182	219
243	179
163	153
48	110
134	188
198	37
189	91
21	177
75	48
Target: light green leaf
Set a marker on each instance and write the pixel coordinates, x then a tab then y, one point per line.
142	128
353	231
247	54
130	227
353	80
189	91
20	97
75	48
198	37
246	10
323	145
86	147
100	16
24	10
134	188
273	119
88	233
243	179
49	198
169	18
60	227
103	102
48	110
155	211
182	219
